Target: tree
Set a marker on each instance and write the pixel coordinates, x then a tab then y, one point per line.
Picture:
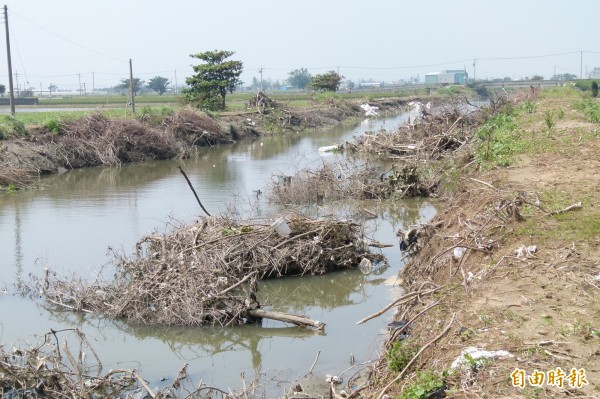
299	78
213	79
26	93
137	85
52	88
594	89
564	76
329	81
158	84
2	90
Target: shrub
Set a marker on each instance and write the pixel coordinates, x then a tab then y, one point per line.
425	386
399	355
12	127
54	125
594	89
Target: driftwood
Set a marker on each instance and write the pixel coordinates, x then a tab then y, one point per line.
405	298
286	317
194	191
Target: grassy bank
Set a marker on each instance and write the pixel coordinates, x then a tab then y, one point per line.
516	264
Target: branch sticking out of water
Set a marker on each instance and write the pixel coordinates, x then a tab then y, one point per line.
194	191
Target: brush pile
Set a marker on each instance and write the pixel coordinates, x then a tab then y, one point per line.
52	370
97	140
196	129
348	179
11	176
203	273
437	132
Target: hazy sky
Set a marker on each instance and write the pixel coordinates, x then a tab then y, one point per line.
65	41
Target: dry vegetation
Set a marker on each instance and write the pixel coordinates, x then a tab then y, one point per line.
52	370
351	179
514	268
203	273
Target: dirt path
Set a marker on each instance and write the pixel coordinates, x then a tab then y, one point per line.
540	303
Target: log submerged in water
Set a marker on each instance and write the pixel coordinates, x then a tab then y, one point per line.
286	317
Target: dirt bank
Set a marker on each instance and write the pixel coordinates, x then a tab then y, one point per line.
516	265
97	140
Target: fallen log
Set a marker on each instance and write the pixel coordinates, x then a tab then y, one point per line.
286	318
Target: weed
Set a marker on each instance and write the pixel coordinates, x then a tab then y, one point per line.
529	106
55	125
583	328
549	119
517	318
590	109
547	319
501	140
486	319
425	385
400	354
12	127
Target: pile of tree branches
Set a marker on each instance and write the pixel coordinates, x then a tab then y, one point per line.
97	140
52	370
197	129
203	273
437	132
350	179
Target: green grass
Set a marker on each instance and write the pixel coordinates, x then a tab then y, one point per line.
424	385
108	100
500	140
591	110
400	353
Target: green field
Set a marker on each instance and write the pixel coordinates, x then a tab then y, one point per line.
65	108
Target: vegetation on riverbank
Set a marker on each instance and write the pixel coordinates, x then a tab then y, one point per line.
517	262
514	264
56	141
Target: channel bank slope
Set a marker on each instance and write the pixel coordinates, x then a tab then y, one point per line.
517	263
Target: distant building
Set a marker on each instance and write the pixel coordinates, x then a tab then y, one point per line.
452	77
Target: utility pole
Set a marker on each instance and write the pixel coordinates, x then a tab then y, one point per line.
260	70
176	81
131	86
10	78
84	89
474	69
93	83
581	65
79	76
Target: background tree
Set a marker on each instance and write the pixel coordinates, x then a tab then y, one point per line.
158	84
213	79
52	87
137	85
26	93
299	78
594	89
2	90
564	76
329	81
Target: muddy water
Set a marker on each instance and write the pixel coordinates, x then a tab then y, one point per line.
79	217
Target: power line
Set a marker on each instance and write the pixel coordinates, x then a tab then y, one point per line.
66	39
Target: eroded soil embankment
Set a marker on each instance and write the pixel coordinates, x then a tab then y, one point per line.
97	140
